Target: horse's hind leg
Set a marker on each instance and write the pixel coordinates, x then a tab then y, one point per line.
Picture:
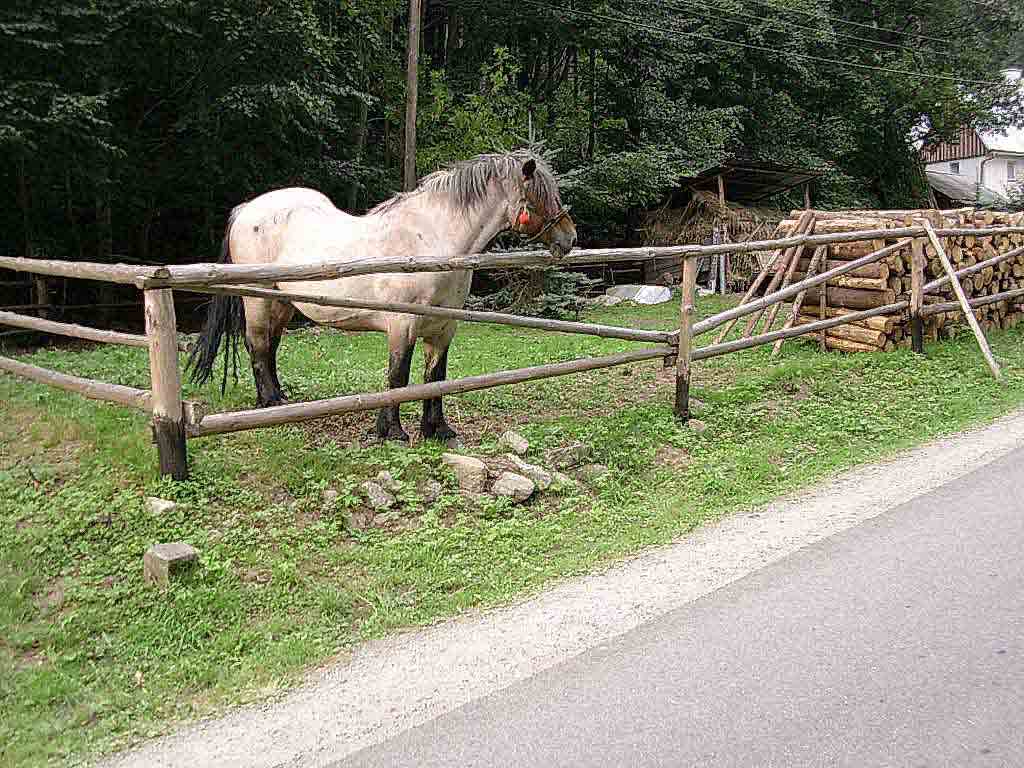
280	313
262	347
400	349
433	425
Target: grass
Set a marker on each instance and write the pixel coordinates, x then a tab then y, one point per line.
91	660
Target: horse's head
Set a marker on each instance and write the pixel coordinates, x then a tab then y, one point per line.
537	211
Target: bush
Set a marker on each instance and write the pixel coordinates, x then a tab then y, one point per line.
551	293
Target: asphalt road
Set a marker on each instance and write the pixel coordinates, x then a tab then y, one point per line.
899	642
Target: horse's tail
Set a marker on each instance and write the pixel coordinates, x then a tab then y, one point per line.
225	319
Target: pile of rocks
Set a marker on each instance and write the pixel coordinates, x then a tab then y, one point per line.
510	476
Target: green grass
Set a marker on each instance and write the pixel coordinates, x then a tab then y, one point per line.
91	660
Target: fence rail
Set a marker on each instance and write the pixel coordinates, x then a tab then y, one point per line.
175	420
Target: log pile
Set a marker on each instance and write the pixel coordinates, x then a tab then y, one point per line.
889	280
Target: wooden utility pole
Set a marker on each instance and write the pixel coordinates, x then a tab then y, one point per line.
411	86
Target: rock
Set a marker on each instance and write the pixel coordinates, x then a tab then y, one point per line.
454	444
330	497
540	476
431	491
156	506
697	425
469	471
592	472
513	486
606	301
569	457
641	294
378	498
164	562
385	480
513	442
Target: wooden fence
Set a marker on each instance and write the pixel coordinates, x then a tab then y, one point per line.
174	420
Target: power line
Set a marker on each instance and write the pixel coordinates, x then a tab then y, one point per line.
629	21
795	25
860	24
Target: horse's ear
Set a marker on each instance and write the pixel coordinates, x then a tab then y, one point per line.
528	168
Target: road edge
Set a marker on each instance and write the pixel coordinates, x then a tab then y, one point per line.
403	681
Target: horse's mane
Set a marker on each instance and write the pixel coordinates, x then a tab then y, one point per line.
466	181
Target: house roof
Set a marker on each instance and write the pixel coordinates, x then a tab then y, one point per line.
1011	140
964	189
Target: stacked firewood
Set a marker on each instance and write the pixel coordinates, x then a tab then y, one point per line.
889	280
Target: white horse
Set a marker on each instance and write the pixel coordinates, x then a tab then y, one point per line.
458	210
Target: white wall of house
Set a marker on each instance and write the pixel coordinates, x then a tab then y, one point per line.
997	171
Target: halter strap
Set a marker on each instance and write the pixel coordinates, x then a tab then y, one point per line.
550	224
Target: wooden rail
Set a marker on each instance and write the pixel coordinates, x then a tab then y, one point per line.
294	412
465	315
95	390
175	420
70	329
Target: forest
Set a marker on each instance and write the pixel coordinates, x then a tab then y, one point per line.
130	128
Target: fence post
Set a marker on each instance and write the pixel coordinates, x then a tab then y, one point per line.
917	295
688	285
168	413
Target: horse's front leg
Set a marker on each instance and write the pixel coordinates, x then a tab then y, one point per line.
389	422
433	426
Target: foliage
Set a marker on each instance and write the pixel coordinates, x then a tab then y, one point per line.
134	126
492	119
552	293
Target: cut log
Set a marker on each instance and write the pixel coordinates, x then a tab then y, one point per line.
852	332
853	298
886	324
862	283
879	270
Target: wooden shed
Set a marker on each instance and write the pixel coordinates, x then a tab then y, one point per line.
725	203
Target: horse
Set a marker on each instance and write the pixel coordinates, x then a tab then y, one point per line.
459	209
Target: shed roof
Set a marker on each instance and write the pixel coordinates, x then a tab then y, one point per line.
750	182
964	189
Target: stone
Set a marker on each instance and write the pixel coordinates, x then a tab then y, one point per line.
163	563
385	480
697	425
606	301
569	457
157	506
513	442
431	491
592	472
540	476
641	294
513	486
330	498
378	498
469	471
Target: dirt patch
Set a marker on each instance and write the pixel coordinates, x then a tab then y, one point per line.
676	458
51	600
